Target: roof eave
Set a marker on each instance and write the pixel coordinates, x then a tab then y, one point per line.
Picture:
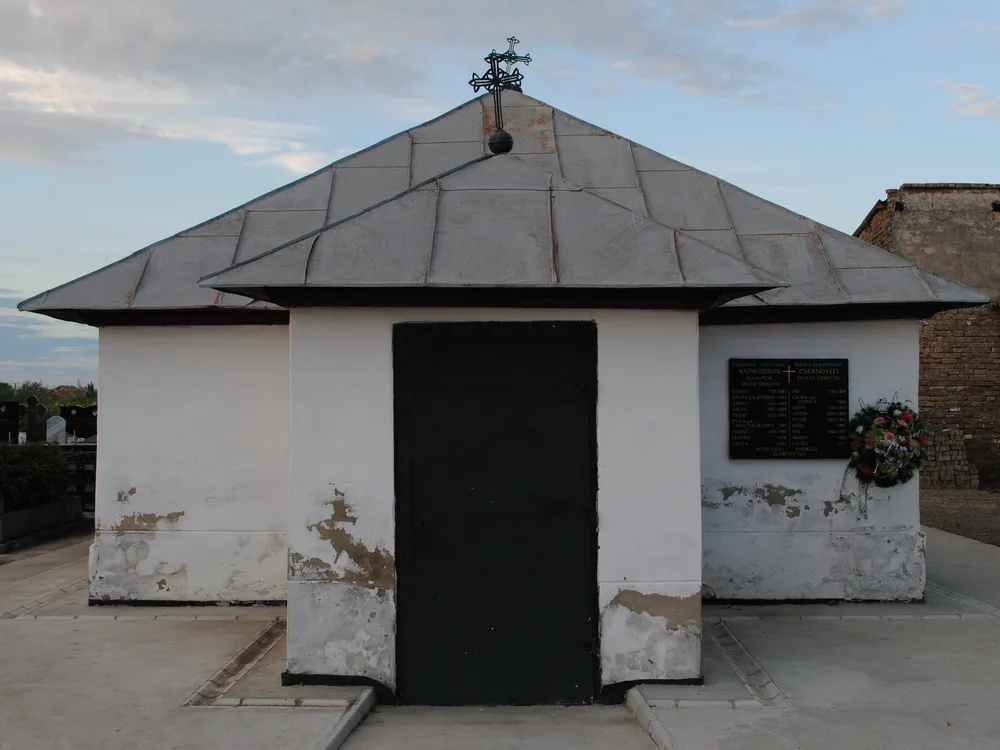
554	296
190	316
851	311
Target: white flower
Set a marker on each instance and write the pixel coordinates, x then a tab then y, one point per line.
861	430
897	412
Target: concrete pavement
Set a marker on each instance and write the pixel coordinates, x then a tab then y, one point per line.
857	676
116	678
389	728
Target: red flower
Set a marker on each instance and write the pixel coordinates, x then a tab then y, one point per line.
890	436
866	470
869	444
924	441
879	421
906	419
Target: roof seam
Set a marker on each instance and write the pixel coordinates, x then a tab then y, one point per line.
329	200
677	252
434	221
409	163
239	238
732	225
309	257
834	272
923	282
554	241
142	276
638	178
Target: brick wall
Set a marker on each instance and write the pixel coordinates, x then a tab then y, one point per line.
960	397
953	230
879	229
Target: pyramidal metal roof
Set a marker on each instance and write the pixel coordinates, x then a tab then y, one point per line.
821	266
495	222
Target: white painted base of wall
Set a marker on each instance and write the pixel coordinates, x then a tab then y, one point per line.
343	630
650	629
861	566
177	566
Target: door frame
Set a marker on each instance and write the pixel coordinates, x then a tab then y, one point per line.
403	511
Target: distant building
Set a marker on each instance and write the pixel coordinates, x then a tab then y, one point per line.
953	229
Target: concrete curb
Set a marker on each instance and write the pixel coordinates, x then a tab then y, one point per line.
237	667
753	676
350	721
648	720
23	611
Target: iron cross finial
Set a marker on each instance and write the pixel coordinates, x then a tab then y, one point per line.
495	81
510	56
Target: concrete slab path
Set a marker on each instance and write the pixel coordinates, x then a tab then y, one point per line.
115	678
858	676
611	727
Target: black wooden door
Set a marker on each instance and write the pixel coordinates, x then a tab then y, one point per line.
496	523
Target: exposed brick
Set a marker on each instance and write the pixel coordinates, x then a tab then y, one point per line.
952	230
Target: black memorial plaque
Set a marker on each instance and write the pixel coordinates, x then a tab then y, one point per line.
788	408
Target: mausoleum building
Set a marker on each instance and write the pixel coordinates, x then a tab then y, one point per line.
494	425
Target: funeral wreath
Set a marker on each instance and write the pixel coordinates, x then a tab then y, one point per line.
887	443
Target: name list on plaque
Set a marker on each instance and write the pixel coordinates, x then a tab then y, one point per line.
788	408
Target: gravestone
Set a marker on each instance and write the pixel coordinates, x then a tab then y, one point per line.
55	431
81	421
788	408
10	418
35	421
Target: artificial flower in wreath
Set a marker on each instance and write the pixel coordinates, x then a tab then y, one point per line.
887	443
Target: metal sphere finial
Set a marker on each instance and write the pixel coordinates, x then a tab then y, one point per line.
501	142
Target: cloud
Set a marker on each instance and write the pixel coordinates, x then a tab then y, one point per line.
49	115
819	14
33	325
973	99
76	77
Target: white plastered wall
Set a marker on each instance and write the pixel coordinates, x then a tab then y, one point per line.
192	468
793	529
341	500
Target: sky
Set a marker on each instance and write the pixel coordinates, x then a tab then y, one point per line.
124	122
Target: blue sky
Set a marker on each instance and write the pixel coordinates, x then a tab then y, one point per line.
123	122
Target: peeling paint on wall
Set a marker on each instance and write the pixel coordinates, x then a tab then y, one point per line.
772	494
862	566
676	611
124	495
373	568
145	522
650	637
341	629
175	566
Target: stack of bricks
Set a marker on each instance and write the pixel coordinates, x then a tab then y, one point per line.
946	464
960	397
